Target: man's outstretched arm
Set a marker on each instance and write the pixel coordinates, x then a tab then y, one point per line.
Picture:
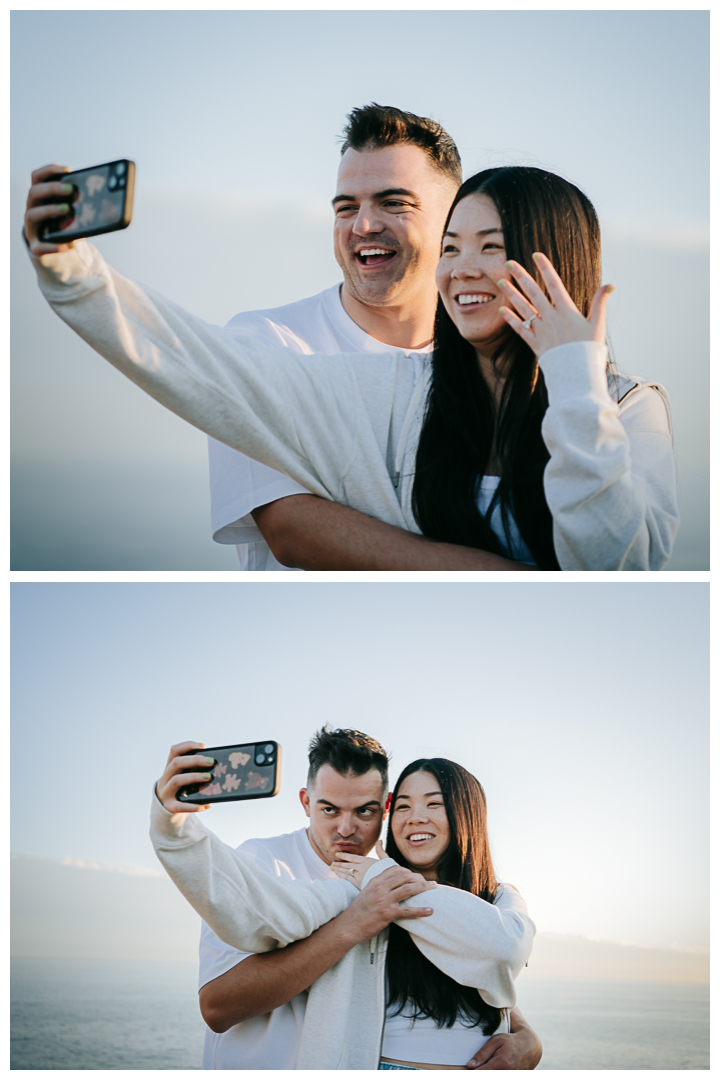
521	1049
311	533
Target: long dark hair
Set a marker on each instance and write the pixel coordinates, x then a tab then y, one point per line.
415	986
539	212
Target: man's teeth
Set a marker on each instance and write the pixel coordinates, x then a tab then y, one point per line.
474	299
421	836
375	251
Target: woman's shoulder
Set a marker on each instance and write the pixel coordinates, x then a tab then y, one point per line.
643	403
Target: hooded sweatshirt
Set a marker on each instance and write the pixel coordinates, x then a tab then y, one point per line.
347	427
476	943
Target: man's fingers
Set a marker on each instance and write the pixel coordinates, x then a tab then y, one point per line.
181	748
413	913
482	1056
38	176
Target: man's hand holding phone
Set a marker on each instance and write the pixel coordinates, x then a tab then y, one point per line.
38	210
180	759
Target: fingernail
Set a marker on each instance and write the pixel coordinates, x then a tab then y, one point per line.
472	1062
509	265
536	255
503	310
62	208
67	189
609	288
209	760
207	776
502	283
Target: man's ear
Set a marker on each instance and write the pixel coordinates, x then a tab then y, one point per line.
305	800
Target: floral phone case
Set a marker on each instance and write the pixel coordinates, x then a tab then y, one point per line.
249	771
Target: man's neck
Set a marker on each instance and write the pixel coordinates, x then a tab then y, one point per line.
407	325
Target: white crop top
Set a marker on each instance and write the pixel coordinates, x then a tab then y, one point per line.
424	1042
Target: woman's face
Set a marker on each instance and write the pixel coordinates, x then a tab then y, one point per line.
419	824
472	260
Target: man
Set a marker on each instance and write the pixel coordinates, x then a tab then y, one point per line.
397	178
254	1004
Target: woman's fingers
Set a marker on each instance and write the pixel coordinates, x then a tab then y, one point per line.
598	312
382	853
553	282
513	296
526	333
348	857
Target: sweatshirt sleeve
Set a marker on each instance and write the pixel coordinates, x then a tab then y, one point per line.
610	482
246	906
262	400
476	943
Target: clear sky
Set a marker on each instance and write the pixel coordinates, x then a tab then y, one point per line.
232	118
582	709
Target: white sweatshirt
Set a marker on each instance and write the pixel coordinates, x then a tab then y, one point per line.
476	943
347	427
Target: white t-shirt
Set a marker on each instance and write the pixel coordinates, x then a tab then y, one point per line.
270	1041
238	484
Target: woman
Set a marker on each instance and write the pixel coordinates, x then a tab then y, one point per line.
457	968
514	439
437	827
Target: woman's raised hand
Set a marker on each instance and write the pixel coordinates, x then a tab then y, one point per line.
556	321
353	868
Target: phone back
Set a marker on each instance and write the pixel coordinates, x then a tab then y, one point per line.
102	202
248	771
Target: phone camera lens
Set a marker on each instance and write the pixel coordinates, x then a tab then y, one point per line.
120	169
269	748
121	182
260	758
112	183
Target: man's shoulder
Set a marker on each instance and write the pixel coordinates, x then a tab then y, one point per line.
269	848
285	315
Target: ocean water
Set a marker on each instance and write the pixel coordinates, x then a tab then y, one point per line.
112	1014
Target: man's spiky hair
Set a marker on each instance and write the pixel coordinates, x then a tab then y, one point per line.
372	126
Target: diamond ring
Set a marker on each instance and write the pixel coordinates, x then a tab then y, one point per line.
527	322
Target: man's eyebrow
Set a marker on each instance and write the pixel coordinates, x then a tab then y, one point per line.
378	195
370	802
480	232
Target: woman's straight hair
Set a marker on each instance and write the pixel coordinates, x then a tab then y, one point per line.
539	212
415	986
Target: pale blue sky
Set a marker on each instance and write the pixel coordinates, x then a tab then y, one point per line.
581	708
233	118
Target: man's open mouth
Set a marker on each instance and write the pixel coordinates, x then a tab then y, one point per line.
375	256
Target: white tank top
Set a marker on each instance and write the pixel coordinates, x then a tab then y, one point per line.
424	1042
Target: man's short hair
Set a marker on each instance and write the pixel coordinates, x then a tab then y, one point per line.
373	125
348	752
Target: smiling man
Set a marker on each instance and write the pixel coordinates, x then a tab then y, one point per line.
254	1004
398	175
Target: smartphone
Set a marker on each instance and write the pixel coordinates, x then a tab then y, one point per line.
101	202
247	771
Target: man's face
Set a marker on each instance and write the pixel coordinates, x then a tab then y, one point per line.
390	210
346	812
